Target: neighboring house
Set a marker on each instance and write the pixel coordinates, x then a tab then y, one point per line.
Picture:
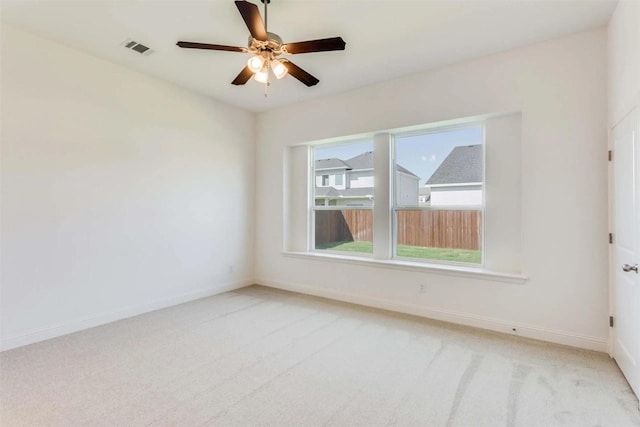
350	182
458	179
424	196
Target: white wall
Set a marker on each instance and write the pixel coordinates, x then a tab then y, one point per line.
624	59
360	179
120	193
455	196
332	179
560	88
406	189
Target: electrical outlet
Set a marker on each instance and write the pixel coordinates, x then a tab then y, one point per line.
422	288
230	269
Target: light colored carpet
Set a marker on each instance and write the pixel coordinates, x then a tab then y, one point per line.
259	356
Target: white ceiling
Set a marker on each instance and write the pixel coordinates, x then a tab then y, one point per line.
385	39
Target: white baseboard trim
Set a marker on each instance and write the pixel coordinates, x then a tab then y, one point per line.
437	313
41	334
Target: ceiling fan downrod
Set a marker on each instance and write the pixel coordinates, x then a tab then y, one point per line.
265	2
267	83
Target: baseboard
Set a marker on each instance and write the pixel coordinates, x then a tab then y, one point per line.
41	334
436	313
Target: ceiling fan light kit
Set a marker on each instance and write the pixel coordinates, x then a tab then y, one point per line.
278	68
266	48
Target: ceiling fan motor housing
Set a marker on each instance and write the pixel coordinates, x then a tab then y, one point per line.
272	45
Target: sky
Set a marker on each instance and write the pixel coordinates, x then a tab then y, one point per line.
420	154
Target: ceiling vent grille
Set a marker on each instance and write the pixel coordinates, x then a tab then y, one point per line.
137	47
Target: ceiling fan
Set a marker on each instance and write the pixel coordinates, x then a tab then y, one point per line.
267	47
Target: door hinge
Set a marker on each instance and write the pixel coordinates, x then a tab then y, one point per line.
611	321
610	155
610	237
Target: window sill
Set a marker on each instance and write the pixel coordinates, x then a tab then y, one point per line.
449	270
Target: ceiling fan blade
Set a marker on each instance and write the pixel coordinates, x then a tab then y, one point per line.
320	45
243	77
299	73
252	18
194	45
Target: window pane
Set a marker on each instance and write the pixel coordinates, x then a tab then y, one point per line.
440	235
443	171
344	230
344	174
344	177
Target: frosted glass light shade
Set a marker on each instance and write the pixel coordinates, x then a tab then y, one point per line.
278	69
262	76
255	63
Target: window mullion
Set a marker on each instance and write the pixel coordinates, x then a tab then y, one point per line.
382	236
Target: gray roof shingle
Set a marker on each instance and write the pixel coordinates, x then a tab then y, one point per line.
356	192
332	163
349	192
462	165
360	162
326	192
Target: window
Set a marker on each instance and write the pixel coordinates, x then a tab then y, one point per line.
342	210
468	214
438	210
436	199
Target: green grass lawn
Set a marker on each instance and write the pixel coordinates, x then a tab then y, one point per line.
441	254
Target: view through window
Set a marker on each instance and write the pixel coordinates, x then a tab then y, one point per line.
436	198
439	195
343	197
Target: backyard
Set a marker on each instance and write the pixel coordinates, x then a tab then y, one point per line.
441	254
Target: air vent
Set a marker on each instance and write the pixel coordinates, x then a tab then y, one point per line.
137	47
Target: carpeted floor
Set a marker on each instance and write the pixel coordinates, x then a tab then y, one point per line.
259	356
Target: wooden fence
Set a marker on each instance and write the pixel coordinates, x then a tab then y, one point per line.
344	226
440	229
436	229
